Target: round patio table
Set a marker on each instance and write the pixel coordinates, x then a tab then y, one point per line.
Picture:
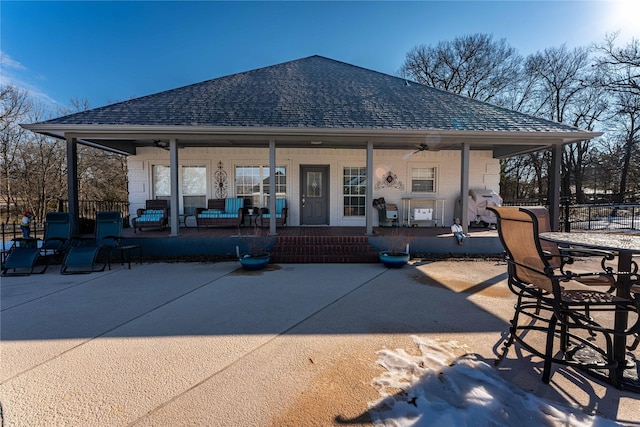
624	246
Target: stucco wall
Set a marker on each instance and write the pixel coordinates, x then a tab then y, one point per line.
484	174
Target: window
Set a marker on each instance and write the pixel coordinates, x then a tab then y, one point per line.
423	180
161	182
194	186
252	183
354	186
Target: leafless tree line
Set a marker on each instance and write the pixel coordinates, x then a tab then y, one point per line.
33	167
594	88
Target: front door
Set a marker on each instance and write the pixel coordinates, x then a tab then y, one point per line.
314	195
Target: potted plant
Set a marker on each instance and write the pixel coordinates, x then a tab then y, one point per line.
255	255
398	254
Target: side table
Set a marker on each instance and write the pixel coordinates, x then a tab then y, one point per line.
125	254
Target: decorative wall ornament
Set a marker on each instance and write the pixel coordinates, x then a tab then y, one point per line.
390	180
220	177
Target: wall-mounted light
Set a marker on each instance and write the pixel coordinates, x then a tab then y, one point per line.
316	142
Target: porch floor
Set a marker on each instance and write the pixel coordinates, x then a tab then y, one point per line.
310	244
409	232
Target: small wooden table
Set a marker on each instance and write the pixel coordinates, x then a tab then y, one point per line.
625	246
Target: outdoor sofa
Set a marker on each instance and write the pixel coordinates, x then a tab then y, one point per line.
221	212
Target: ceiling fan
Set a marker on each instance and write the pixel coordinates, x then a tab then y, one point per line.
163	144
432	141
421	147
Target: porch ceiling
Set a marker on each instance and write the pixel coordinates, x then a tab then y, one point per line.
126	139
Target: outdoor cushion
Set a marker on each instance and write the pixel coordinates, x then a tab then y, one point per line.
213	213
149	217
280	205
233	205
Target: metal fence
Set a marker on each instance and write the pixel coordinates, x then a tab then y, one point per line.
88	209
8	232
601	217
624	216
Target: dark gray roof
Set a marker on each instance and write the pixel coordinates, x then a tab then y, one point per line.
313	92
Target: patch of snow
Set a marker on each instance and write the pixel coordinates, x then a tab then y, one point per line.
438	388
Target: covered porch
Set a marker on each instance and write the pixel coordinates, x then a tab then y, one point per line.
307	110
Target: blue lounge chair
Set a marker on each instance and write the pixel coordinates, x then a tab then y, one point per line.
22	259
57	234
83	256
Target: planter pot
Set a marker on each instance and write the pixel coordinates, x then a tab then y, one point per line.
394	259
255	262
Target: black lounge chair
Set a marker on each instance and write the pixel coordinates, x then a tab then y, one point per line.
83	255
57	234
22	260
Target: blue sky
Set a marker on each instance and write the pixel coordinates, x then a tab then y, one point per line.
112	51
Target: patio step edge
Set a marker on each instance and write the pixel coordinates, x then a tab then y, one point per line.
323	249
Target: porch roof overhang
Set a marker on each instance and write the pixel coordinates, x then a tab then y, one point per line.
125	139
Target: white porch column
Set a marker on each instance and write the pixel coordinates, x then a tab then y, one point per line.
175	206
72	183
464	186
272	187
554	187
369	191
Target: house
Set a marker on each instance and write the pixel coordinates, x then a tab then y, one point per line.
335	136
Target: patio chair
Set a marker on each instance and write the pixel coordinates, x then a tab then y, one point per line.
555	303
23	259
281	214
154	215
57	234
82	256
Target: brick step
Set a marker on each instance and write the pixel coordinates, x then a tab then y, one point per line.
323	249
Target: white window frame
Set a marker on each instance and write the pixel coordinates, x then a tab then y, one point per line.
263	190
435	178
181	193
359	196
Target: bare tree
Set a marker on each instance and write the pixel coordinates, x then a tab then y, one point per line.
102	175
14	104
587	111
620	65
561	93
620	74
34	167
473	65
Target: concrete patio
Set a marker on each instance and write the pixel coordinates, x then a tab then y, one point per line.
208	344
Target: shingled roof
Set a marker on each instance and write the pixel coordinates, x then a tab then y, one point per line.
313	93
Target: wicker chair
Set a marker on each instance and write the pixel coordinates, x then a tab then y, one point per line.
154	215
281	214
